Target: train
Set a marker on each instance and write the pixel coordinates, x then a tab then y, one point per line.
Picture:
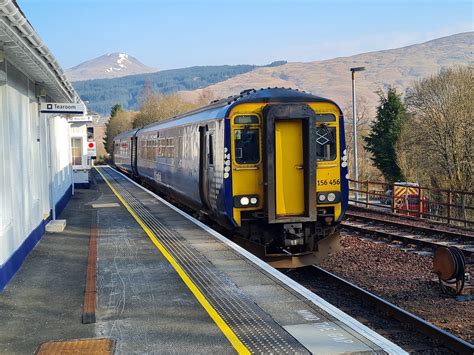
269	166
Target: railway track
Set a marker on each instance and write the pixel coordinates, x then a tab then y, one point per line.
407	330
407	232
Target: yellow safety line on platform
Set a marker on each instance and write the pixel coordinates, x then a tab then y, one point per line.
228	332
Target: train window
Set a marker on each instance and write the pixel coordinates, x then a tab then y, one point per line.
325	117
326	143
90	133
250	119
211	150
247	145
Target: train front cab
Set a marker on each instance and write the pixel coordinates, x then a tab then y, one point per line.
286	179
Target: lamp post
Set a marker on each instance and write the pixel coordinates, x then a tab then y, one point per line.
354	120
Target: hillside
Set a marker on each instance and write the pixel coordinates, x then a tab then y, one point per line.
108	66
102	94
332	78
329	78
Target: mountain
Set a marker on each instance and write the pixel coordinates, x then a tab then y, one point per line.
332	78
102	94
108	66
328	78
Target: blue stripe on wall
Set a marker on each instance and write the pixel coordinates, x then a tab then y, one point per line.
61	204
13	264
82	185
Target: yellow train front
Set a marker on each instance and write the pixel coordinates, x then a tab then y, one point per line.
288	153
269	165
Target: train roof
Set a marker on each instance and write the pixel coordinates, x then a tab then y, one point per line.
274	95
263	95
126	134
220	109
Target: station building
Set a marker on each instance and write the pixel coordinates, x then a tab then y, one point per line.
35	149
82	149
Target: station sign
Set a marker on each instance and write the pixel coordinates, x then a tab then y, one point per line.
75	119
91	149
63	108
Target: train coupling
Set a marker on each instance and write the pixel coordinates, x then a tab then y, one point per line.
293	233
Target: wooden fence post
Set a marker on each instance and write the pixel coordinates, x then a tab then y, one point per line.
367	193
393	197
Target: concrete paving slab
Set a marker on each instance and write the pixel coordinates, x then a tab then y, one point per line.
324	338
294	313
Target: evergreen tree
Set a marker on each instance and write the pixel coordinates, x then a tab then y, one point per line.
115	109
385	132
108	136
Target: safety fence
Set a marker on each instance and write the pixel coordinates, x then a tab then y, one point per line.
410	199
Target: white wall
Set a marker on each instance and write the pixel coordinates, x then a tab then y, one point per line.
24	161
60	153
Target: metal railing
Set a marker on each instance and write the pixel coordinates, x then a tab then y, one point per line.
446	206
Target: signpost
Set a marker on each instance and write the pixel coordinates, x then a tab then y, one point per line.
91	150
77	119
63	108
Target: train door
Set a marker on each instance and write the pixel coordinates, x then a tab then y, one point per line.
289	168
210	154
206	170
133	155
290	163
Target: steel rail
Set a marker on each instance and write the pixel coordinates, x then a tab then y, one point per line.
423	241
445	338
407	224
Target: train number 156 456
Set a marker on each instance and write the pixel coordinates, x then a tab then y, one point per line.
329	182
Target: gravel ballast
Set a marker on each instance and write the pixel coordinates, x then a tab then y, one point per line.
403	278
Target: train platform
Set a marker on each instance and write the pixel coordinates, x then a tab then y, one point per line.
165	283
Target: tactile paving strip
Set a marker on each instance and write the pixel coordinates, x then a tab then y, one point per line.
77	346
255	329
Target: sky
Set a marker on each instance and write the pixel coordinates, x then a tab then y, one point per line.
168	34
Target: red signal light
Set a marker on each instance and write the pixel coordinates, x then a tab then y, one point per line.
91	145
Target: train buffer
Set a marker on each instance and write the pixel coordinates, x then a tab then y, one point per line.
162	282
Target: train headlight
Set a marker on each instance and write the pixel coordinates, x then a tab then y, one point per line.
243	201
329	197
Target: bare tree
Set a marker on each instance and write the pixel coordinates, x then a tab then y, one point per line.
205	97
436	144
158	107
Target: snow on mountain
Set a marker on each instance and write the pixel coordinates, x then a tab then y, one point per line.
108	66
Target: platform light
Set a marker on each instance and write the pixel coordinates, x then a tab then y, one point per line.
354	120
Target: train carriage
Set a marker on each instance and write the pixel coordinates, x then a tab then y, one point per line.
269	165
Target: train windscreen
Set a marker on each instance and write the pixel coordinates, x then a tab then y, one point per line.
247	146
